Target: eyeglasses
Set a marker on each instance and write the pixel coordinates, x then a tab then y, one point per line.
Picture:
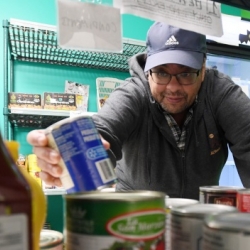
185	78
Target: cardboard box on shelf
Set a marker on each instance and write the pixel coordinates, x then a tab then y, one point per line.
82	94
24	100
59	101
104	87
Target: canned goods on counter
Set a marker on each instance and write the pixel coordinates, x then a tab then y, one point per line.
187	222
226	231
51	240
85	162
171	203
115	220
219	195
243	200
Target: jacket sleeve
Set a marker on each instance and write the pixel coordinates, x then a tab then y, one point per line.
119	116
232	111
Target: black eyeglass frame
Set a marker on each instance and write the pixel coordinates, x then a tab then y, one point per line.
176	76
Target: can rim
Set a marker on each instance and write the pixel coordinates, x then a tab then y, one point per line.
200	210
50	238
117	195
218	189
229	221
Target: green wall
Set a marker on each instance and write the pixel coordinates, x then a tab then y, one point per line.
37	78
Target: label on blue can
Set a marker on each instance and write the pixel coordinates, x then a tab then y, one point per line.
85	162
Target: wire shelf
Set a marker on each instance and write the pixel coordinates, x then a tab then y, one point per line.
40	118
40	45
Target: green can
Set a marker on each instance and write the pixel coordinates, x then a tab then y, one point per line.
115	220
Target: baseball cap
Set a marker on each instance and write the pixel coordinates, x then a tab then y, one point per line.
169	44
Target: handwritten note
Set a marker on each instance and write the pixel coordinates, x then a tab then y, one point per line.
203	16
88	26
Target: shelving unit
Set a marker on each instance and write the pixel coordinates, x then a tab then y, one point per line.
39	118
33	42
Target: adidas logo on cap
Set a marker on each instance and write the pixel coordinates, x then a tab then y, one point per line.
171	41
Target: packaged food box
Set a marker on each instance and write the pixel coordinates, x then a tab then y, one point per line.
82	94
23	100
59	101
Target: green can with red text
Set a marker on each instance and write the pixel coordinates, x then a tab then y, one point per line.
115	220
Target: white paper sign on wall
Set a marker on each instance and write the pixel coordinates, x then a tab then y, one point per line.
203	16
88	26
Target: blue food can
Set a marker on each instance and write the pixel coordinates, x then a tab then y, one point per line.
85	162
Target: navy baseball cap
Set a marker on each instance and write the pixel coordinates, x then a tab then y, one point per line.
169	44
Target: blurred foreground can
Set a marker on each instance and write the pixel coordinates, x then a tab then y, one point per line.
51	240
219	195
171	203
115	220
226	231
187	222
85	162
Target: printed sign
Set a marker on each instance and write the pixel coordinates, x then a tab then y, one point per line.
202	16
88	26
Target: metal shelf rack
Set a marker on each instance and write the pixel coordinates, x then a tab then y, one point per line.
32	42
39	118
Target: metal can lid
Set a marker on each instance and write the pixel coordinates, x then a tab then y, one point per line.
177	202
117	196
230	221
200	210
50	238
244	191
219	188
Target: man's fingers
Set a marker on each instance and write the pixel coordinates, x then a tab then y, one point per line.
37	138
49	155
49	179
105	143
52	169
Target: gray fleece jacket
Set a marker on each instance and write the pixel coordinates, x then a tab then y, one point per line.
143	146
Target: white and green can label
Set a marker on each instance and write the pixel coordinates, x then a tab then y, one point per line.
108	225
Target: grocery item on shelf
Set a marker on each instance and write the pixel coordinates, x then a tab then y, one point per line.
24	100
82	94
33	168
21	162
23	207
59	101
104	87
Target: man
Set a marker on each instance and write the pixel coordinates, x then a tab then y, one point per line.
168	127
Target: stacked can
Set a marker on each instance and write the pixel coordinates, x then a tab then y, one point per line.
187	222
226	195
243	200
173	203
226	231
